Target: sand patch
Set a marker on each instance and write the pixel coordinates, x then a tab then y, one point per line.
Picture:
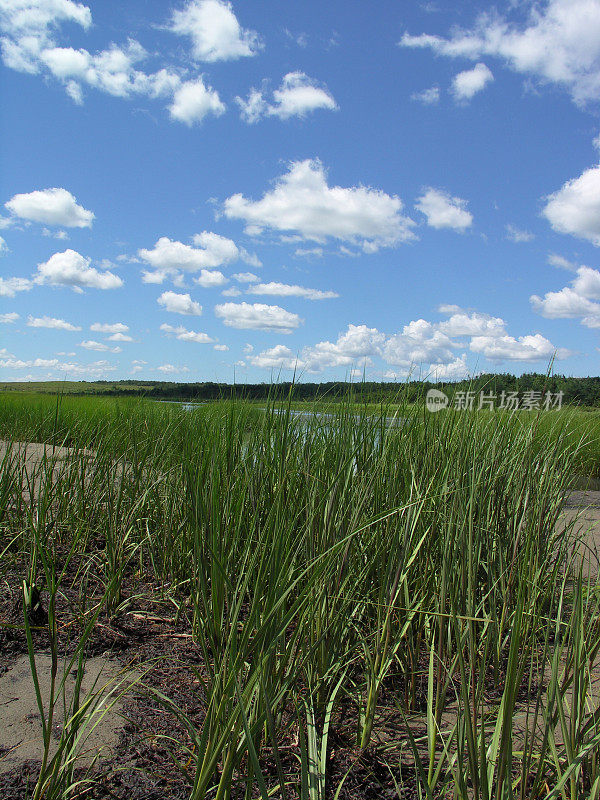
21	737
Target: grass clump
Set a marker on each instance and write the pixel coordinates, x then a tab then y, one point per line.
369	585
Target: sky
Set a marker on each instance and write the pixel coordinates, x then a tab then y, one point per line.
202	190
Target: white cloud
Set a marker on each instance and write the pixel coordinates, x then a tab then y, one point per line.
429	97
62	235
250	258
193	100
278	357
525	348
10	286
575	208
28	26
297	96
517	235
454	371
420	341
221	347
3	247
304	204
52	207
257	316
112	71
231	292
119	337
109	327
430	346
51	322
444	211
72	269
559	43
90	344
244	277
467	84
470	323
184	335
575	301
209	278
10	317
179	304
287	290
171	369
214	30
168	257
560	262
29	45
309	252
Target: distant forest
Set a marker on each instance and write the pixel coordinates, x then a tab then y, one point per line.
576	391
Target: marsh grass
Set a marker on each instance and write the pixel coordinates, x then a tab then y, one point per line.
376	561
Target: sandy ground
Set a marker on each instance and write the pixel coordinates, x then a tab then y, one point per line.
582	510
21	728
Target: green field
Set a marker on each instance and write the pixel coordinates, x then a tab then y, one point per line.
378	601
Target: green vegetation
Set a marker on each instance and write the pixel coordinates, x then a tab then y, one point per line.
378	586
576	391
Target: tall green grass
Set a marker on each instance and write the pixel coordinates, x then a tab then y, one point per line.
384	561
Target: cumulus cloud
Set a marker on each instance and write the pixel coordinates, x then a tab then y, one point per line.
244	277
444	211
184	335
210	278
302	203
429	97
179	304
29	45
10	286
72	269
287	290
168	258
28	27
558	43
95	369
297	96
467	84
214	30
51	322
525	348
418	342
257	316
109	327
278	357
430	346
576	301
113	71
90	344
575	208
52	207
171	369
193	101
470	323
9	318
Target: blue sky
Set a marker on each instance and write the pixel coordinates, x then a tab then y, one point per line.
198	189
